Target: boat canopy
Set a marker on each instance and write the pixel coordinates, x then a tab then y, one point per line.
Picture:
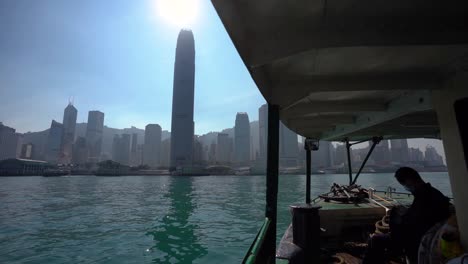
350	69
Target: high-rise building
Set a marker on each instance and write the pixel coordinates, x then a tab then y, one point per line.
80	151
94	131
197	151
182	126
288	147
121	149
69	124
8	142
323	157
416	155
223	148
431	157
242	139
263	130
54	142
166	152
134	150
399	150
152	145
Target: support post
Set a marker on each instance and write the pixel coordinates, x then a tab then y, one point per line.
308	172
350	169
272	180
450	103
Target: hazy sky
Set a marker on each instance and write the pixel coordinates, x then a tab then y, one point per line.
118	57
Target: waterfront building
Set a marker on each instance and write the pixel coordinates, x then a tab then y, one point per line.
22	167
288	147
381	153
54	142
431	157
152	145
322	158
166	152
197	151
27	151
8	142
80	151
242	139
94	130
399	150
416	155
69	125
121	149
182	125
134	150
223	148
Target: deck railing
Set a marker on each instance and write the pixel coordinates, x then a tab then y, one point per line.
255	254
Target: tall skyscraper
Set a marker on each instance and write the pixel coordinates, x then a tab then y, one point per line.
121	149
289	147
431	157
381	153
134	150
54	142
263	130
68	137
242	138
94	131
166	152
182	127
152	145
8	142
399	150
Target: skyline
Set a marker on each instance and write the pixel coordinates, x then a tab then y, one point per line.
117	59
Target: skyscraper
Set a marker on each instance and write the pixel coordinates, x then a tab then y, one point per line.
80	151
399	150
242	139
152	145
54	142
8	142
182	127
289	147
223	148
69	125
94	130
134	150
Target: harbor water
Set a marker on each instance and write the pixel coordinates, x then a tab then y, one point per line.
144	219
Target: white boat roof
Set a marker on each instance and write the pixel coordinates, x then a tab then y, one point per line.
350	68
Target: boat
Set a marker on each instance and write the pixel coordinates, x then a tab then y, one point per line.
352	72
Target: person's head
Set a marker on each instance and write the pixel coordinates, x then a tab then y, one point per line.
409	178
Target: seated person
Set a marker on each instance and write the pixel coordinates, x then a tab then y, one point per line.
407	227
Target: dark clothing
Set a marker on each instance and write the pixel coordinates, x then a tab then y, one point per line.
429	207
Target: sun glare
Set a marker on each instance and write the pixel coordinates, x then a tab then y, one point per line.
180	13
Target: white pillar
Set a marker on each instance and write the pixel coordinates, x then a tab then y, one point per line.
443	100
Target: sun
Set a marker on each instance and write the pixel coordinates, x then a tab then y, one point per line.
180	13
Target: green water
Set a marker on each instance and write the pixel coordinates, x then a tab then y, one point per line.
87	219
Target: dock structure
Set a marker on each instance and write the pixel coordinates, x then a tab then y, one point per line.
353	70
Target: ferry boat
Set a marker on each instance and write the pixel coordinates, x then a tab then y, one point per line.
352	71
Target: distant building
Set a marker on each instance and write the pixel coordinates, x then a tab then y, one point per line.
69	125
381	153
94	131
288	147
416	155
121	149
152	145
8	142
322	158
242	139
27	151
54	142
197	152
223	148
134	151
22	167
399	150
166	152
432	158
80	151
182	126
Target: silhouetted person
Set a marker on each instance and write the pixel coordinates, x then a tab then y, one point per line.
407	227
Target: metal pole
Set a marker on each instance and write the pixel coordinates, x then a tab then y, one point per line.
350	169
272	180
374	143
308	173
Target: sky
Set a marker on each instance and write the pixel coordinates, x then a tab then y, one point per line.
118	57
